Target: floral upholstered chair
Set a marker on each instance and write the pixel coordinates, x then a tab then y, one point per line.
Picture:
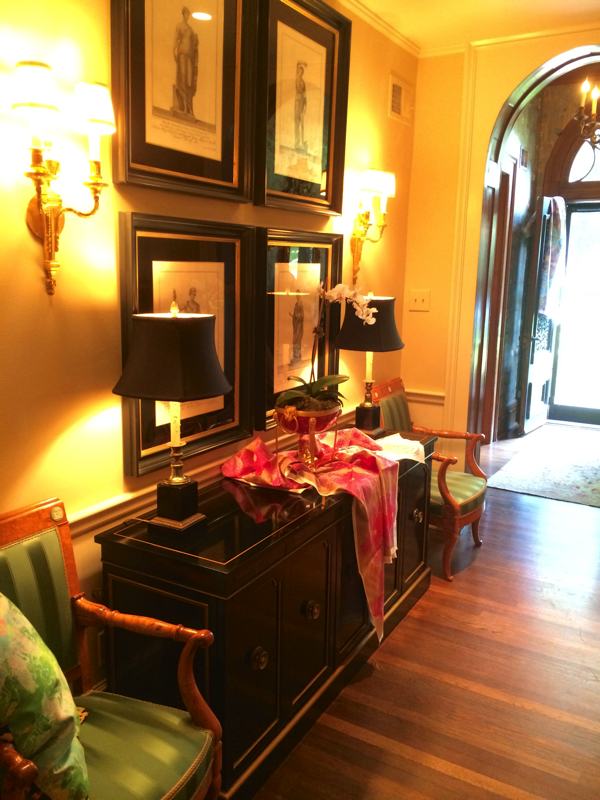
456	498
124	749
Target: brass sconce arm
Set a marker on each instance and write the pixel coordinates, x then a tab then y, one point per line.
360	235
46	213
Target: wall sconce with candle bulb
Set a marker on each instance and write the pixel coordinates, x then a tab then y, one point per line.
376	188
587	116
36	98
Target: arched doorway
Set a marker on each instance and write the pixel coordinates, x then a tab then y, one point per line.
499	260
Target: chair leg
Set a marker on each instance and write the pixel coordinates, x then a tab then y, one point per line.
475	532
215	788
451	539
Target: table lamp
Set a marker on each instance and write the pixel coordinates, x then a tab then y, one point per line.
172	357
377	338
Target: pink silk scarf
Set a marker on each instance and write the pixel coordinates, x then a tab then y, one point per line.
355	465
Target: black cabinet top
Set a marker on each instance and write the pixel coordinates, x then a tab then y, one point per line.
241	523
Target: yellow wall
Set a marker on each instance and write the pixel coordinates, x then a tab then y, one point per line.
60	425
432	223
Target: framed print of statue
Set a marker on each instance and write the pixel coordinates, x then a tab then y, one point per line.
298	264
182	95
306	78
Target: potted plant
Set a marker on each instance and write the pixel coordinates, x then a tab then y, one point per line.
313	406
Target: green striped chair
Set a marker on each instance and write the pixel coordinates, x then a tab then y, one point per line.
456	498
133	750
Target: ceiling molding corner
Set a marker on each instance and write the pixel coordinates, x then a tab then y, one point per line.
438	52
382	26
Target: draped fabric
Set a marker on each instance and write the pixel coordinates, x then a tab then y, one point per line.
553	260
352	463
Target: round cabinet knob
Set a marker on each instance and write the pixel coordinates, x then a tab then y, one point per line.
259	659
417	516
312	609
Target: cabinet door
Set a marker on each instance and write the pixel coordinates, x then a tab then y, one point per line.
412	524
145	666
392	581
352	615
306	616
251	680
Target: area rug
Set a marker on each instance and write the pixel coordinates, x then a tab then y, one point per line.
557	461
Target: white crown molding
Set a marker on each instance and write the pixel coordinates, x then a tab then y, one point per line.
543	34
433	52
439	52
382	26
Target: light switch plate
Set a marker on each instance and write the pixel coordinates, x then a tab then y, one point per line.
419	300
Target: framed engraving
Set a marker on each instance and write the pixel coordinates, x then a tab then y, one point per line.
182	95
298	264
306	83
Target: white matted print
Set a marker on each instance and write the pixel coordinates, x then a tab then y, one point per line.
300	105
296	309
198	288
184	75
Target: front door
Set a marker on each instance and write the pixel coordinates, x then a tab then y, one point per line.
541	314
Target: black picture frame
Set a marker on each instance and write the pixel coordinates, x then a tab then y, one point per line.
159	143
300	145
296	260
210	266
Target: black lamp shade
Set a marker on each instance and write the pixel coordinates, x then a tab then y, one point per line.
377	338
172	358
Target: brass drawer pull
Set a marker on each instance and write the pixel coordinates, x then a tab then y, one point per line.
417	516
312	610
259	659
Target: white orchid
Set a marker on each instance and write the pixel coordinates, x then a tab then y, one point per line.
342	293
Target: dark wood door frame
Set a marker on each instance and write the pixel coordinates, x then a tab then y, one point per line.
486	333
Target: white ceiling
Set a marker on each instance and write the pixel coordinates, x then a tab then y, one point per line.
445	25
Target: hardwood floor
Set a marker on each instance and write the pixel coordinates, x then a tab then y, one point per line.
490	688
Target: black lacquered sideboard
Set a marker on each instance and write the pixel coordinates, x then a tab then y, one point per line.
274	576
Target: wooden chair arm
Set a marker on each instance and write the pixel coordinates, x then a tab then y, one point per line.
471	442
95	614
445	461
20	773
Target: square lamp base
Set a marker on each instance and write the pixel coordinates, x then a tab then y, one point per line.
367	417
177	505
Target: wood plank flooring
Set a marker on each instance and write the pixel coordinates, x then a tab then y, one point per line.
489	688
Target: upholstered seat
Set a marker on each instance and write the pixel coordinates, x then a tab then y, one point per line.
468	491
456	498
133	750
173	757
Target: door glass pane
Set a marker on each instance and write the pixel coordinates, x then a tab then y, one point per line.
585	165
578	375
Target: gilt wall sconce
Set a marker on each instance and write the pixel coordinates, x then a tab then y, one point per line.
36	98
377	188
